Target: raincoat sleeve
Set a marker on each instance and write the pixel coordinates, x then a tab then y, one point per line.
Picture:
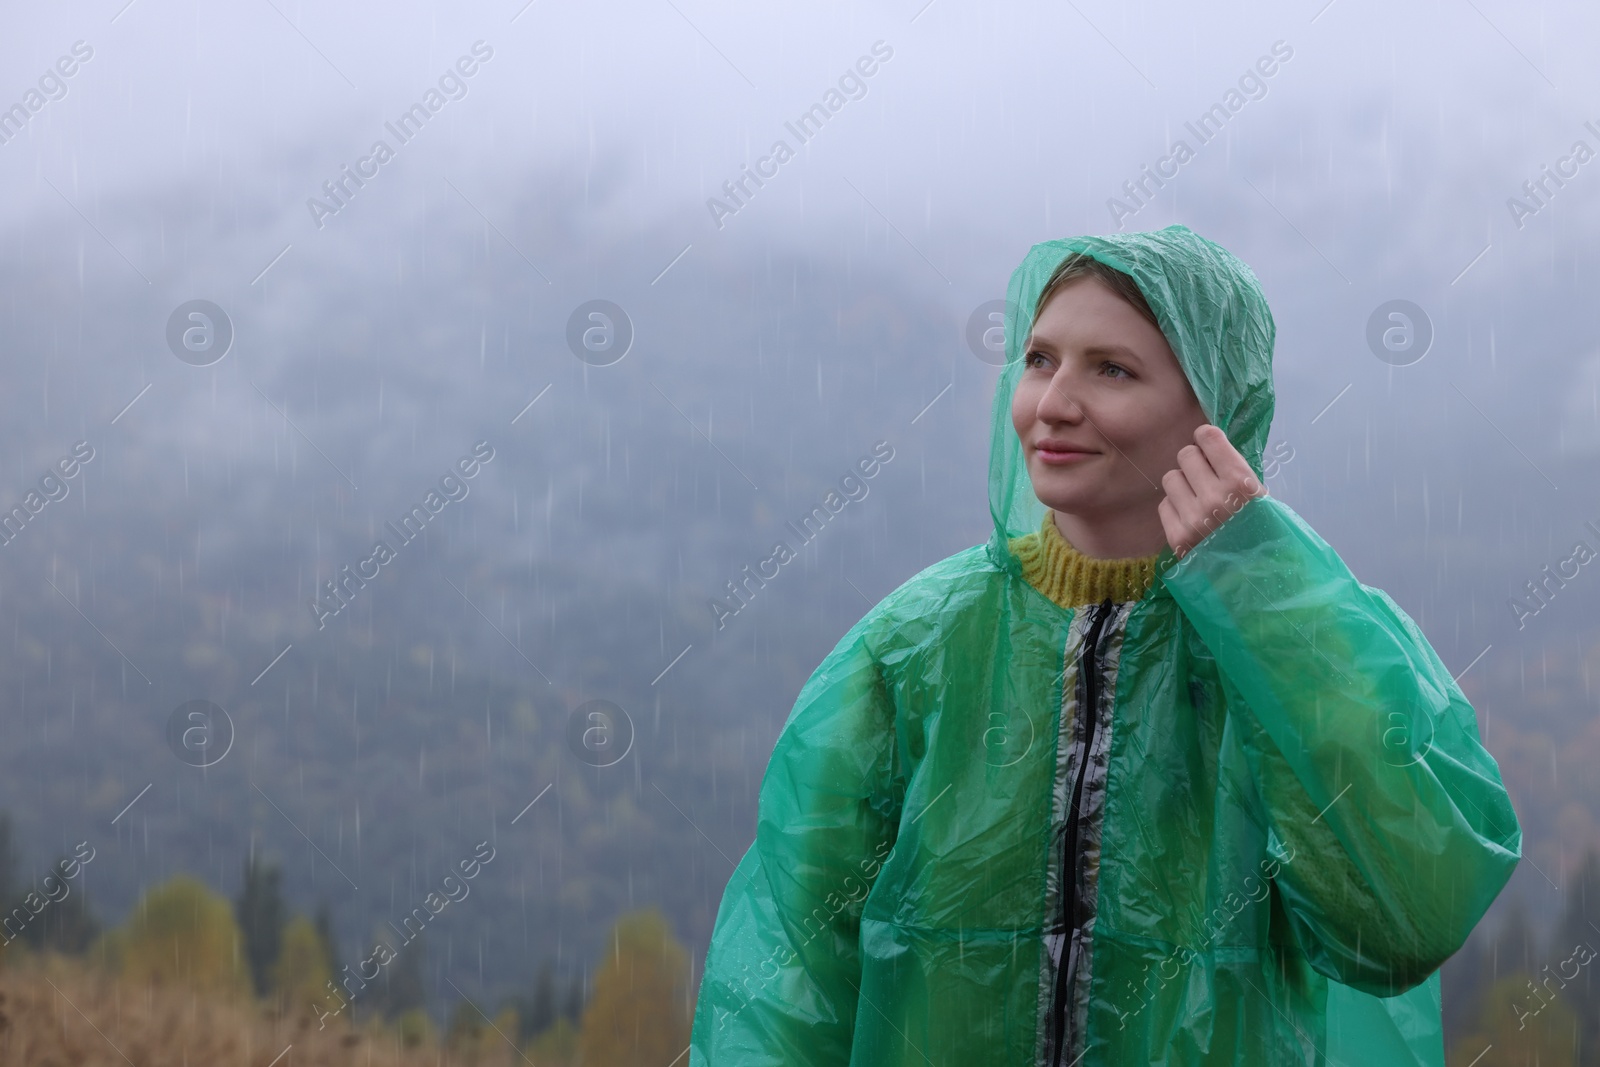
1389	818
783	967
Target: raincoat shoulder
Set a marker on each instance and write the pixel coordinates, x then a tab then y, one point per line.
782	971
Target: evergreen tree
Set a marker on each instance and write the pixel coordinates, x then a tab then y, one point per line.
572	1007
8	883
400	989
259	910
537	1013
8	860
66	924
330	941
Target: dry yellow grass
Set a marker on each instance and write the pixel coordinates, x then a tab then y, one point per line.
62	1012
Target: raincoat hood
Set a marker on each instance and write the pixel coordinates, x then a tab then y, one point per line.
1213	314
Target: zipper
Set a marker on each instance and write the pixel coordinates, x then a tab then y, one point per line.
1069	854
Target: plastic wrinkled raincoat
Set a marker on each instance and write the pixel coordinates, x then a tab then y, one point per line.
1293	824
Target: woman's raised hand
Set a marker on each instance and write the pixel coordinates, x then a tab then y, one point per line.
1213	480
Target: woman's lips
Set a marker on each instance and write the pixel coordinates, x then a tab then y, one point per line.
1049	456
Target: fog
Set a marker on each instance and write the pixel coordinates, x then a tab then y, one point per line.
375	318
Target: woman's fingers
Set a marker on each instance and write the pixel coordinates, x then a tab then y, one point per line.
1212	482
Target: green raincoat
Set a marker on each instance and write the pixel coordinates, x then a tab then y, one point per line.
1293	817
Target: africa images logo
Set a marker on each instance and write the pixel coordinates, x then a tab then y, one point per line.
336	595
852	84
52	87
1252	85
54	485
855	489
341	189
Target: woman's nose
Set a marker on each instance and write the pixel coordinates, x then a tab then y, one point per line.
1057	404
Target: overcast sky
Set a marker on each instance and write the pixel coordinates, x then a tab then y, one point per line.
1376	162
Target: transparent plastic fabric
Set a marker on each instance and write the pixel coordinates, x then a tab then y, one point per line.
1300	821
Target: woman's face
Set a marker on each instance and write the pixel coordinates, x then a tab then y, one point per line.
1101	382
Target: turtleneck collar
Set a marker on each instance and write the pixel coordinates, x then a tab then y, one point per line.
1071	579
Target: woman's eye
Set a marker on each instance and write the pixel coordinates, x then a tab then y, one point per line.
1114	367
1027	361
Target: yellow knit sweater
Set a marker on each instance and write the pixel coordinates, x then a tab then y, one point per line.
1051	565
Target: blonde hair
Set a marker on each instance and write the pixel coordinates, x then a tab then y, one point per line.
1078	265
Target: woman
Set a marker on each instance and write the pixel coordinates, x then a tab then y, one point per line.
1150	777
